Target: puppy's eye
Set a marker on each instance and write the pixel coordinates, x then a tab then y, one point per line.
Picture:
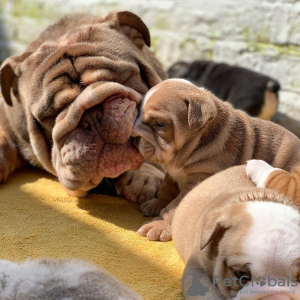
159	124
243	276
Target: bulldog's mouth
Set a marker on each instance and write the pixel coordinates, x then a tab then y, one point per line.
92	141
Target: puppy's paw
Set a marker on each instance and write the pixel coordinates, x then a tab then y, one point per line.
152	208
141	185
156	230
258	171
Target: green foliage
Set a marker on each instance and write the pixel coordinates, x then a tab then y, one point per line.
33	9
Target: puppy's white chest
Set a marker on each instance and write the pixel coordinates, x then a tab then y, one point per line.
178	175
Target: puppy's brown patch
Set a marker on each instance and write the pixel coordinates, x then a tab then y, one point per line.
286	183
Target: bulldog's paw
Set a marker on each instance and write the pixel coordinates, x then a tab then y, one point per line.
141	185
156	230
8	157
258	171
77	194
152	208
4	170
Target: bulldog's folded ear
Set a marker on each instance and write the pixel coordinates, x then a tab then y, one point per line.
200	111
216	222
9	74
133	27
213	230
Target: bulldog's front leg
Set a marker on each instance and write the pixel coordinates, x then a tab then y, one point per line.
141	185
8	156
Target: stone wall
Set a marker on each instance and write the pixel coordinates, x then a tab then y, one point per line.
263	35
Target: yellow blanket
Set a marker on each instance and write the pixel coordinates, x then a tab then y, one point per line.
38	219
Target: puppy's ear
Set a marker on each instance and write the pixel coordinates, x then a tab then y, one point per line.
133	27
10	72
215	233
273	86
201	109
215	225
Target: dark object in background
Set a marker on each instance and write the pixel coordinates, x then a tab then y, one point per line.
255	93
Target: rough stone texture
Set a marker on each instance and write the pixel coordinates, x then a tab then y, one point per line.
263	35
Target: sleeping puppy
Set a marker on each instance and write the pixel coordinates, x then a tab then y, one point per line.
194	135
238	240
253	92
49	279
264	175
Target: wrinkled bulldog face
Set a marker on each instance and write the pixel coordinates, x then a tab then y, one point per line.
81	94
91	138
92	129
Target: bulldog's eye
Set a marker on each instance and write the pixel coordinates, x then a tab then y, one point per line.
159	124
243	276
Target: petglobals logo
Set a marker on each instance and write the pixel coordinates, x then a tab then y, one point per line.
192	286
261	281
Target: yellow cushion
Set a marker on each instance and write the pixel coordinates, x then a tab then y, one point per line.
38	220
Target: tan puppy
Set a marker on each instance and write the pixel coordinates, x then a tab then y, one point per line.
70	101
194	135
264	175
230	234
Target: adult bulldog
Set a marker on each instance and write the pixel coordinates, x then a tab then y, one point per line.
70	101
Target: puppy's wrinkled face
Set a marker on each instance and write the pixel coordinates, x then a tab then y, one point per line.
157	125
171	113
259	253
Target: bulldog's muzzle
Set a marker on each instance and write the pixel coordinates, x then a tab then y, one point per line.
91	137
